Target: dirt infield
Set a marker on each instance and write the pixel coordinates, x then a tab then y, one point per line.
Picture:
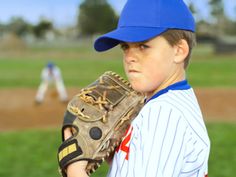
19	111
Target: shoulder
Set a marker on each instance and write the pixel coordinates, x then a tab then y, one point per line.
161	105
56	70
182	102
159	115
178	106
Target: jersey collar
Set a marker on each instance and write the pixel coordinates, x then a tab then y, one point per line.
182	85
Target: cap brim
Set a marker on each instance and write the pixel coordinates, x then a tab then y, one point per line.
126	34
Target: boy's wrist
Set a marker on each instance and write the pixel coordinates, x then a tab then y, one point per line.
77	169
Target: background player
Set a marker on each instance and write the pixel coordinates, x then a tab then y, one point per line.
51	75
168	138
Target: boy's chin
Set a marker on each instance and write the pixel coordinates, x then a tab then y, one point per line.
137	88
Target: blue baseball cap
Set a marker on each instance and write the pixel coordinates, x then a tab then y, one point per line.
50	65
141	20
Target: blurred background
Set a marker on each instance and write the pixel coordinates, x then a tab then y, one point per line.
32	33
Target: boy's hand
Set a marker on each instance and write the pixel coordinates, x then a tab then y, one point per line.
76	169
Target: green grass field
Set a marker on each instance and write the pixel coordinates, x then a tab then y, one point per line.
81	65
33	152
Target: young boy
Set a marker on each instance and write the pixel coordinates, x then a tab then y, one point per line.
168	138
51	75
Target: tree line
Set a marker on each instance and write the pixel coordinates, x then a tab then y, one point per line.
97	16
20	27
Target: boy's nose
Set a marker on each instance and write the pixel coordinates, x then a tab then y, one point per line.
130	55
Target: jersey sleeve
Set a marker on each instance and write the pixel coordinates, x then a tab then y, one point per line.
44	74
57	74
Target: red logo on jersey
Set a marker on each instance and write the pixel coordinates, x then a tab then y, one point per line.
124	144
206	175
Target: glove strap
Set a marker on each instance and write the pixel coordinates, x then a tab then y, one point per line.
67	151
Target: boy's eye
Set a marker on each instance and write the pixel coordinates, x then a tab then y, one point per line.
124	46
143	46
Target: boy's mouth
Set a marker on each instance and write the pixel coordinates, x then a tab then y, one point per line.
132	71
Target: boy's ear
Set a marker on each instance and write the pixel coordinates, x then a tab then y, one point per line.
181	51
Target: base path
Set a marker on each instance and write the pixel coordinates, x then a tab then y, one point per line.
19	111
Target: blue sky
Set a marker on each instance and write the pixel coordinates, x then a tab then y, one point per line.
64	12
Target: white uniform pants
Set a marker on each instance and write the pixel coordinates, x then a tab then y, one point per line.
44	86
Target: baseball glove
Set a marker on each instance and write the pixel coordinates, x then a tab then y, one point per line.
100	114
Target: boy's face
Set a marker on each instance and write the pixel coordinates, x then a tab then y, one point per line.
151	66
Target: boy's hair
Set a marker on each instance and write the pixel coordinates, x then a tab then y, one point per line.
173	36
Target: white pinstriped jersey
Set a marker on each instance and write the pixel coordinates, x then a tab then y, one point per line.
167	139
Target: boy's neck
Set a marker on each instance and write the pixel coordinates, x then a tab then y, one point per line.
176	77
